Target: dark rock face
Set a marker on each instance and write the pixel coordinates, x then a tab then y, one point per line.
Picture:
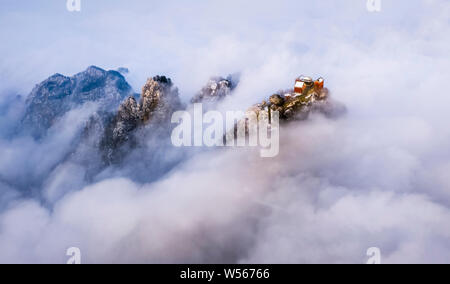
216	89
159	100
57	95
277	100
292	107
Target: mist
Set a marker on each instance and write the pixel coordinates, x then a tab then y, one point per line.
377	176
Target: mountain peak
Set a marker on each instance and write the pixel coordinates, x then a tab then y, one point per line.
215	90
58	94
94	68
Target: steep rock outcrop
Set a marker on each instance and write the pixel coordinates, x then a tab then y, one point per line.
159	99
291	107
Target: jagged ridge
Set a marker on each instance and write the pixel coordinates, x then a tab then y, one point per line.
54	97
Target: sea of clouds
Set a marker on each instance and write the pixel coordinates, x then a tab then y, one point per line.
379	176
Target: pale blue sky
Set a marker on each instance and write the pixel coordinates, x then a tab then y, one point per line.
183	38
